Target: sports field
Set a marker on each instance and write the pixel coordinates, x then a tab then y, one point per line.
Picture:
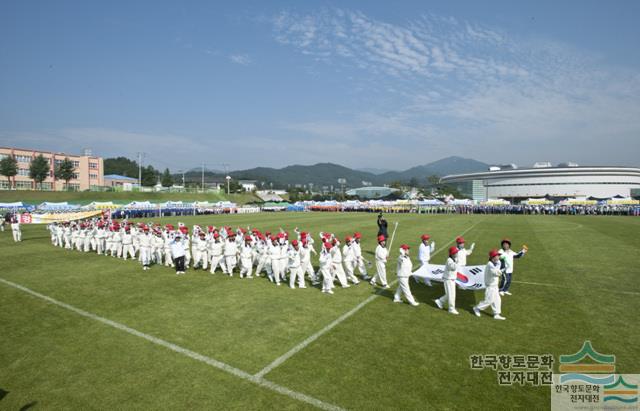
82	331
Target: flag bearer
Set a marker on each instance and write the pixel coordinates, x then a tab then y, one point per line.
381	261
404	271
492	274
449	277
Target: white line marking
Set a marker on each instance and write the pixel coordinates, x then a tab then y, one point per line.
573	288
284	357
191	354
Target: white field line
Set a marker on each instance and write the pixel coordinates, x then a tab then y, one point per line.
284	357
559	286
184	351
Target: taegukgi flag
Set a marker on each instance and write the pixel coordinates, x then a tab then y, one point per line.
468	278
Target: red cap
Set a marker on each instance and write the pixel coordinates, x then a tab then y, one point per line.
381	238
280	235
357	235
460	240
248	238
453	251
274	238
348	239
404	247
303	234
294	243
210	228
425	237
216	235
493	253
328	245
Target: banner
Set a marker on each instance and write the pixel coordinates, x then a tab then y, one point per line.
47	218
468	278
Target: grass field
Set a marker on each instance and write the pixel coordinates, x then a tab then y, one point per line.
578	282
86	197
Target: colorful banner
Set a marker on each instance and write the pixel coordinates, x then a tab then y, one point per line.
469	278
47	218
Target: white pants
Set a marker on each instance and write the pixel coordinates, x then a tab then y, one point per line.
449	296
263	263
296	272
127	249
230	261
381	274
349	267
17	235
145	255
217	260
200	258
327	278
307	268
491	299
362	268
403	288
168	261
276	270
339	273
246	265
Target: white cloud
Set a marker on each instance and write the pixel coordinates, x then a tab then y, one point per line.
472	90
242	59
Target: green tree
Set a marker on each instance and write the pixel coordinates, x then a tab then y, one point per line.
65	171
167	178
9	168
149	176
122	166
39	170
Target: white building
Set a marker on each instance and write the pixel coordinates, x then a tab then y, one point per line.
562	181
248	185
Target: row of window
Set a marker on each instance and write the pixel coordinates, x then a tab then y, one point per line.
559	184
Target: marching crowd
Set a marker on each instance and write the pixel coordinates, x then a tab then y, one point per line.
251	253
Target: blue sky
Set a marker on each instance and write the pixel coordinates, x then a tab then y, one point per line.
363	84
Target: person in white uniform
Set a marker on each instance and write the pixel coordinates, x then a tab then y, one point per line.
449	279
381	263
16	230
404	272
246	258
492	274
463	252
426	249
326	269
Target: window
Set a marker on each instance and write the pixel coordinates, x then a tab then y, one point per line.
93	166
23	185
45	186
23	159
76	164
3	156
93	176
76	176
23	172
75	187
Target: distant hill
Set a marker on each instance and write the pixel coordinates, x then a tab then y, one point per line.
326	174
321	174
446	166
376	171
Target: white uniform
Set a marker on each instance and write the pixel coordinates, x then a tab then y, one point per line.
246	260
325	269
230	255
274	256
305	263
425	251
492	299
404	271
200	257
463	253
16	231
145	249
217	255
127	246
295	269
336	258
349	260
359	260
449	280
381	270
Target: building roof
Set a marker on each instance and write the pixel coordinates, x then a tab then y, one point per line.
544	172
119	177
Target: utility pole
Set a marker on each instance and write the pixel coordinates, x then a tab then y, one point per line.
140	155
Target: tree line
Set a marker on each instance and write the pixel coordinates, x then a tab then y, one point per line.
39	170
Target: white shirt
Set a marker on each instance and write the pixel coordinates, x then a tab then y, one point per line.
381	254
177	249
424	252
450	269
492	274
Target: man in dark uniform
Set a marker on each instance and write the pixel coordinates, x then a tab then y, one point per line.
382	226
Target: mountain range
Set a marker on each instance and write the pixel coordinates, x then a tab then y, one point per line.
327	174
